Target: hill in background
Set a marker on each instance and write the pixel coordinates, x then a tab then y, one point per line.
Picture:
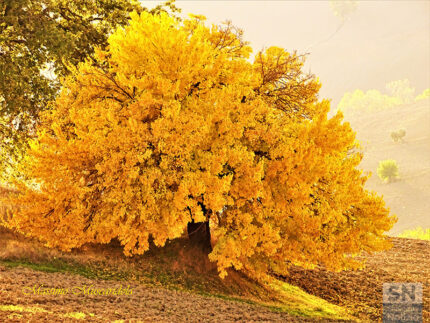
409	196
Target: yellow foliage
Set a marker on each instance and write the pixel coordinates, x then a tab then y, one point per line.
370	101
424	95
175	124
417	233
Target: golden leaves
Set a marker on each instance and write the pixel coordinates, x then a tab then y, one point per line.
181	127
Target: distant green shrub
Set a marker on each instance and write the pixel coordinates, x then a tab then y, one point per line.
398	135
388	170
418	233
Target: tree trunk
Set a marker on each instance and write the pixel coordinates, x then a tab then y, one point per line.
199	234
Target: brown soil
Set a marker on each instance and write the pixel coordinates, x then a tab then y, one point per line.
147	304
361	291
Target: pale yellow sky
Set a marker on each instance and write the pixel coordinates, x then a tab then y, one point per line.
381	41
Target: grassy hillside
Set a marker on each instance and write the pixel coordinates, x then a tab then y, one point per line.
176	282
409	196
171	284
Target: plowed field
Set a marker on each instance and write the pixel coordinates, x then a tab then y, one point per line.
361	291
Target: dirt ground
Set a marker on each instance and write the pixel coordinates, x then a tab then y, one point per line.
145	304
361	291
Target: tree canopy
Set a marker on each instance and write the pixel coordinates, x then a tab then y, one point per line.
174	124
38	40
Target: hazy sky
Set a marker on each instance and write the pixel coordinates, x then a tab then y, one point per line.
382	41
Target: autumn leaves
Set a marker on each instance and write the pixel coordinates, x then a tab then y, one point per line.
160	152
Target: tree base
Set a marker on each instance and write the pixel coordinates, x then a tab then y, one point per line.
199	234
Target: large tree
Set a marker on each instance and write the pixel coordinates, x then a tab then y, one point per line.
38	39
174	130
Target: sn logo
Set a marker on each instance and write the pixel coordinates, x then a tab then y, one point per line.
402	302
403	293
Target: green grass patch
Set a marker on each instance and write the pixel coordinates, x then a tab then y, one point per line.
296	301
62	266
